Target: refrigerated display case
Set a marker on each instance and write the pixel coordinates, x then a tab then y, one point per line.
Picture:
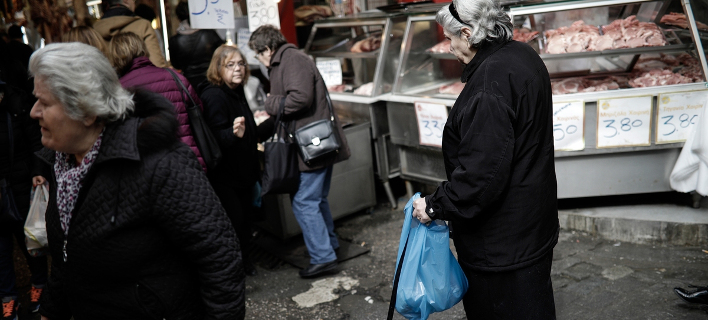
358	55
612	53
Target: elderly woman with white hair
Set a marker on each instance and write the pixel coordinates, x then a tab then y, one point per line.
134	228
500	196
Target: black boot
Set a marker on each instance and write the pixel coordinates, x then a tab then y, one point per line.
698	296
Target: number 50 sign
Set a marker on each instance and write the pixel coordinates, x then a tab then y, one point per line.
431	121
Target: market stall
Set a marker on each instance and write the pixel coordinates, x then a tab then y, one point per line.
628	82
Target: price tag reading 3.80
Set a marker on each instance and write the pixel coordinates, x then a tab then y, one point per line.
677	115
568	126
624	122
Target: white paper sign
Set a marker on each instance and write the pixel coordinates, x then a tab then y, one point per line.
242	40
677	114
431	121
569	126
624	122
211	14
262	12
331	70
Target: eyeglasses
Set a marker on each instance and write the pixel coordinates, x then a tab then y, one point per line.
232	65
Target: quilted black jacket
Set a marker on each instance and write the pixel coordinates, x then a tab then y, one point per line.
498	147
148	237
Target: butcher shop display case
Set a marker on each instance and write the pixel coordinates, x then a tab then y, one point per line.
357	56
628	79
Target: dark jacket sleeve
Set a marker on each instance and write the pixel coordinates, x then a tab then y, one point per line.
299	86
215	105
195	221
53	303
265	130
486	135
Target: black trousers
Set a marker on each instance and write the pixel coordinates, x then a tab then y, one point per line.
524	294
238	204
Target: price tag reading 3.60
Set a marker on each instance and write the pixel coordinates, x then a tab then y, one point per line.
677	114
624	122
569	125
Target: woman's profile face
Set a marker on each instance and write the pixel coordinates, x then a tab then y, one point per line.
59	131
459	47
233	70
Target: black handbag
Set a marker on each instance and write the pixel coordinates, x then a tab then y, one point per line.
281	173
206	143
8	209
320	138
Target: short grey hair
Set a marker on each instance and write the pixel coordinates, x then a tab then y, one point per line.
485	18
83	81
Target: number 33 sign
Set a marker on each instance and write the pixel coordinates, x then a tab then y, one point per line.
431	121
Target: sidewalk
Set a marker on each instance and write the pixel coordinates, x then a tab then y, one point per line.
592	278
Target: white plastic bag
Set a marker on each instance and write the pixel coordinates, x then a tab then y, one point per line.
35	225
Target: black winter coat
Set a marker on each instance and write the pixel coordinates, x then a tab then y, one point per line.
240	166
498	148
27	140
192	53
148	237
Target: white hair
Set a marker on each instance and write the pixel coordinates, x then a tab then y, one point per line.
83	81
485	18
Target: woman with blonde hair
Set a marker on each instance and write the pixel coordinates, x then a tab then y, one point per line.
86	35
230	119
130	58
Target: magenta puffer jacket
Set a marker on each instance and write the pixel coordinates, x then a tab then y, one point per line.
142	73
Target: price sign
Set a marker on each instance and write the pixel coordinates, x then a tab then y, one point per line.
331	70
262	12
569	126
677	114
624	122
431	121
211	14
242	40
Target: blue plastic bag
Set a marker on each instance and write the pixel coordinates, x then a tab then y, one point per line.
431	279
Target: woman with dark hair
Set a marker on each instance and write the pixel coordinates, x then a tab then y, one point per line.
191	49
130	58
295	79
500	197
230	119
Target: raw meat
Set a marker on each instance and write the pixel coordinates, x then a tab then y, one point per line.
365	90
524	35
339	88
454	88
574	85
306	15
442	47
575	38
679	20
367	45
629	33
658	78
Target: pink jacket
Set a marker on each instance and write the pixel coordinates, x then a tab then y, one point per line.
144	74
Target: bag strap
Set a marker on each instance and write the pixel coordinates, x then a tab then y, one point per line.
394	292
278	118
12	140
184	89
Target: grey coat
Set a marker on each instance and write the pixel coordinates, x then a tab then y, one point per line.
294	76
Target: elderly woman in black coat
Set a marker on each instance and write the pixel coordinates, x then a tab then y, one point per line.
134	229
500	193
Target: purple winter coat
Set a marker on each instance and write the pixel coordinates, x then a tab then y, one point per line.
142	73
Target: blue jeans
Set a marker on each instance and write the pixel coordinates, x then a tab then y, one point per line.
311	210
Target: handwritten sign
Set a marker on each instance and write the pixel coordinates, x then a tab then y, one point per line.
624	122
242	40
331	70
262	12
569	126
211	14
677	114
431	121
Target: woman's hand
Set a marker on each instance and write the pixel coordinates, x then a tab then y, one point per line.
44	318
38	180
239	126
261	114
419	207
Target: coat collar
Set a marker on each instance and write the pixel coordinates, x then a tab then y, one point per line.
485	51
278	56
120	141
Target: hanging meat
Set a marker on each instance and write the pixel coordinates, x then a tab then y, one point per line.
50	18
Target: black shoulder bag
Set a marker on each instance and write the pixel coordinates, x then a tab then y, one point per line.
318	139
207	144
280	173
8	209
